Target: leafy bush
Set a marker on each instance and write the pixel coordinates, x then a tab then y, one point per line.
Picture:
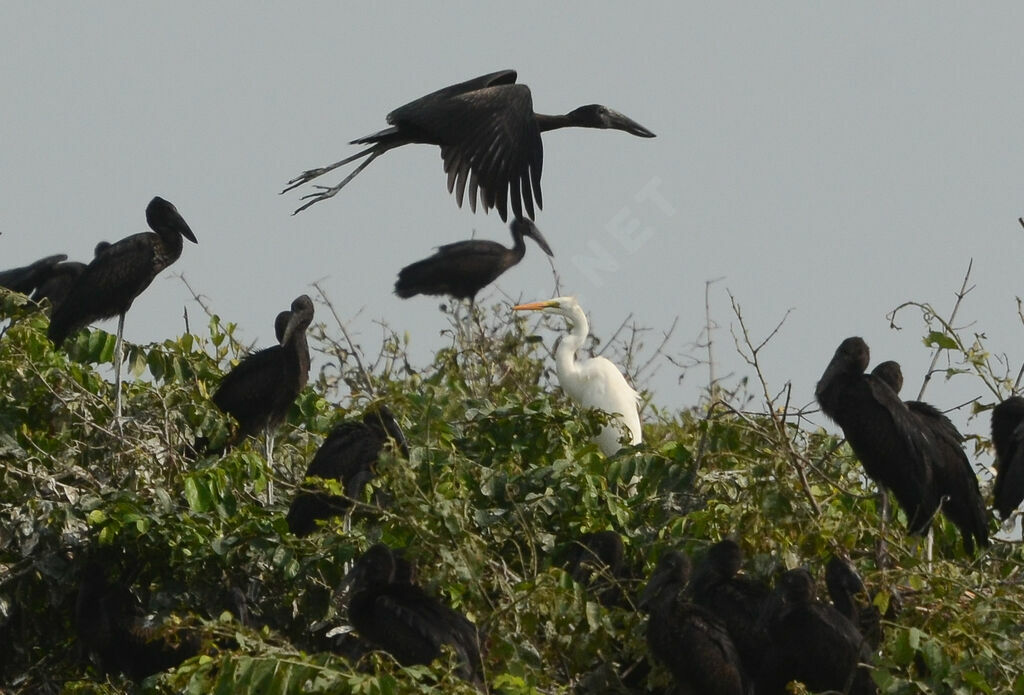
501	477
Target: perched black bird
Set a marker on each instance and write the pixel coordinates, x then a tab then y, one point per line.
348	454
462	269
811	642
116	276
597	560
689	639
735	599
110	625
1008	439
850	597
882	432
259	391
27	278
400	618
488	135
955	479
57	282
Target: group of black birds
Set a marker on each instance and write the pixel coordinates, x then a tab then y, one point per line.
717	631
720	631
911	449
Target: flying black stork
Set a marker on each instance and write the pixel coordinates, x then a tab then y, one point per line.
28	277
349	455
262	387
955	479
462	269
489	136
399	617
689	639
850	597
811	642
117	275
1008	439
737	600
882	432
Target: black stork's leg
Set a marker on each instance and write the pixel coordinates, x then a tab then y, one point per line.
118	359
311	174
329	191
881	550
268	451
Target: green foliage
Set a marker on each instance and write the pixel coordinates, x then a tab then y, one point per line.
501	477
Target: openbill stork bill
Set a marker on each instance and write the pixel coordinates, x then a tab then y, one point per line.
118	274
349	455
262	387
399	617
811	642
882	432
955	479
1008	439
689	639
489	137
463	268
593	382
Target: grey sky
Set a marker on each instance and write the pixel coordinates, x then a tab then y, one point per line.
836	159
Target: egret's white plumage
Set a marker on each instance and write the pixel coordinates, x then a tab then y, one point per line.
593	382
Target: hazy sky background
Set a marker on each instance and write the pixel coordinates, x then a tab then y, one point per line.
836	159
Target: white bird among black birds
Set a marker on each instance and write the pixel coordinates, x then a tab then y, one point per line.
594	382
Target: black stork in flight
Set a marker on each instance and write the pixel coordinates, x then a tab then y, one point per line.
463	268
262	387
118	274
955	479
882	432
489	137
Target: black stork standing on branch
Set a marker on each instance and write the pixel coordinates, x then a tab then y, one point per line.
399	617
689	639
882	432
489	137
955	479
1008	439
349	455
462	269
738	600
259	391
811	642
118	274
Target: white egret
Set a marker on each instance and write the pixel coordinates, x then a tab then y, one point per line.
594	382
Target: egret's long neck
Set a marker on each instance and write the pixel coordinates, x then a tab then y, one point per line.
565	357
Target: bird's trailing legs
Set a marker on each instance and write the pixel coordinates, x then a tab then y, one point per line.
329	191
